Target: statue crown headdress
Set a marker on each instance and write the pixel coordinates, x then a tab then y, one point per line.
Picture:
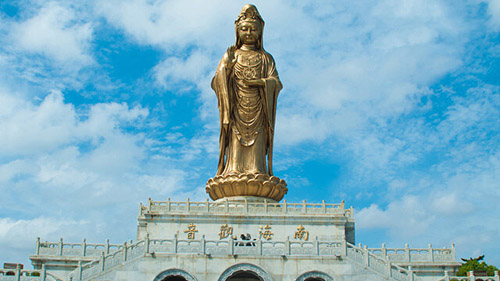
249	13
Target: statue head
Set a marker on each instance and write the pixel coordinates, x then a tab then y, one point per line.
249	21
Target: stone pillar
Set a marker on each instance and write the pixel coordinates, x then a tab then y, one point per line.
124	251
37	246
102	261
18	272
43	274
84	247
61	247
431	252
146	244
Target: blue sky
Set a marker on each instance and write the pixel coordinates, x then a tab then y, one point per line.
390	105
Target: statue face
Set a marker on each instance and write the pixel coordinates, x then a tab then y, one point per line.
249	33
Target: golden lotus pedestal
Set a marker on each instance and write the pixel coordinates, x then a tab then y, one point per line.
246	185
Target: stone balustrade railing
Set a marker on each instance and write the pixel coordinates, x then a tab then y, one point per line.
83	249
245	207
415	254
470	277
334	249
19	274
378	264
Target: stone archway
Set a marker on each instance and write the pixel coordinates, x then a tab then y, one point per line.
244	272
315	276
174	275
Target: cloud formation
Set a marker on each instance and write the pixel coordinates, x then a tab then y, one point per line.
388	104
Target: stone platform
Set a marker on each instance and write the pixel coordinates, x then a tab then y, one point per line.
240	240
266	220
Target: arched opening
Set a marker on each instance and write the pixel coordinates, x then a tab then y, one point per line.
244	272
244	276
174	275
175	278
314	276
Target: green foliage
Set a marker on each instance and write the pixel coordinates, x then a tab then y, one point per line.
476	265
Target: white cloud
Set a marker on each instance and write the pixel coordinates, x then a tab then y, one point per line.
354	74
17	237
405	218
458	206
494	13
169	23
31	129
180	71
57	33
19	233
71	166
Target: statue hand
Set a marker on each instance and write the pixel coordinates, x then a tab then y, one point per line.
256	82
230	59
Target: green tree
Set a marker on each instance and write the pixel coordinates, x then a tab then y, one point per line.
476	264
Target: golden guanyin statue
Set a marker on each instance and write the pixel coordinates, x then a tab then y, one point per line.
247	85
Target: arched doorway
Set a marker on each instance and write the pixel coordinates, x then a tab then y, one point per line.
174	278
174	275
244	272
244	276
314	276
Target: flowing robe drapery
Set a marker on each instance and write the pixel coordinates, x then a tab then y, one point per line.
233	145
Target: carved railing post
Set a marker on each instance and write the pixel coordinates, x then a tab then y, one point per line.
323	206
259	245
188	205
146	244
496	277
102	261
107	246
367	256
18	272
316	245
124	251
61	247
453	251
80	270
389	268
37	246
411	277
203	245
43	274
304	207
285	207
287	246
168	205
384	251
232	246
208	206
344	248
175	243
431	252
84	247
407	252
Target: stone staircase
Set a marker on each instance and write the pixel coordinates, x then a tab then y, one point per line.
335	250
